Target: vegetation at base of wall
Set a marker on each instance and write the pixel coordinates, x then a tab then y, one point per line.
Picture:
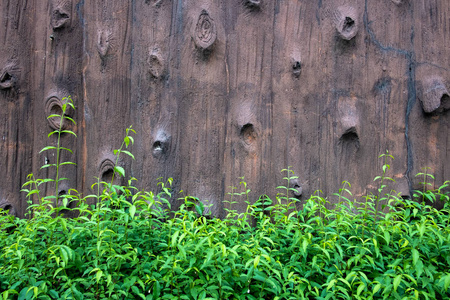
126	243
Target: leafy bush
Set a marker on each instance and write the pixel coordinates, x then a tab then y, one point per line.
131	245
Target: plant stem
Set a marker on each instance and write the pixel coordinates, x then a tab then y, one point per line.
57	162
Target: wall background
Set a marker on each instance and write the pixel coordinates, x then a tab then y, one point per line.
217	90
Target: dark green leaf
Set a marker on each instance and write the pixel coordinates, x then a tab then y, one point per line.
26	293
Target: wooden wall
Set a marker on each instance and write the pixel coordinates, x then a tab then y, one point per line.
217	90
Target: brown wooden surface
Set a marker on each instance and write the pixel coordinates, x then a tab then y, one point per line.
217	90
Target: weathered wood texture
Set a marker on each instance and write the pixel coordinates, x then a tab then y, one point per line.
217	90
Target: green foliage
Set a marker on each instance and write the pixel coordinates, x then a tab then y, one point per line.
130	244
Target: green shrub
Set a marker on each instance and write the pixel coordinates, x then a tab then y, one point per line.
131	245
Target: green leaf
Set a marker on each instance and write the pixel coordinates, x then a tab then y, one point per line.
346	282
360	289
256	261
305	244
260	277
182	251
132	211
33	192
78	294
54	294
47	148
54	116
156	290
331	284
128	153
199	208
195	291
174	238
447	282
5	295
70	119
98	275
69	132
387	237
26	293
397	281
119	170
15	285
376	288
67	163
48	165
224	250
64	255
57	271
419	268
67	149
208	258
422	229
135	289
415	256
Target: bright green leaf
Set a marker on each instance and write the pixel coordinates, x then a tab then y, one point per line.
415	256
256	261
397	281
47	148
132	210
447	282
360	289
128	153
119	170
98	275
376	288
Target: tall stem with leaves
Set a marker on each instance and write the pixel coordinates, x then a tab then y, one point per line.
426	185
67	103
382	179
341	196
125	143
290	177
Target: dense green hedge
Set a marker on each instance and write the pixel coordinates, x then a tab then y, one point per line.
129	246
